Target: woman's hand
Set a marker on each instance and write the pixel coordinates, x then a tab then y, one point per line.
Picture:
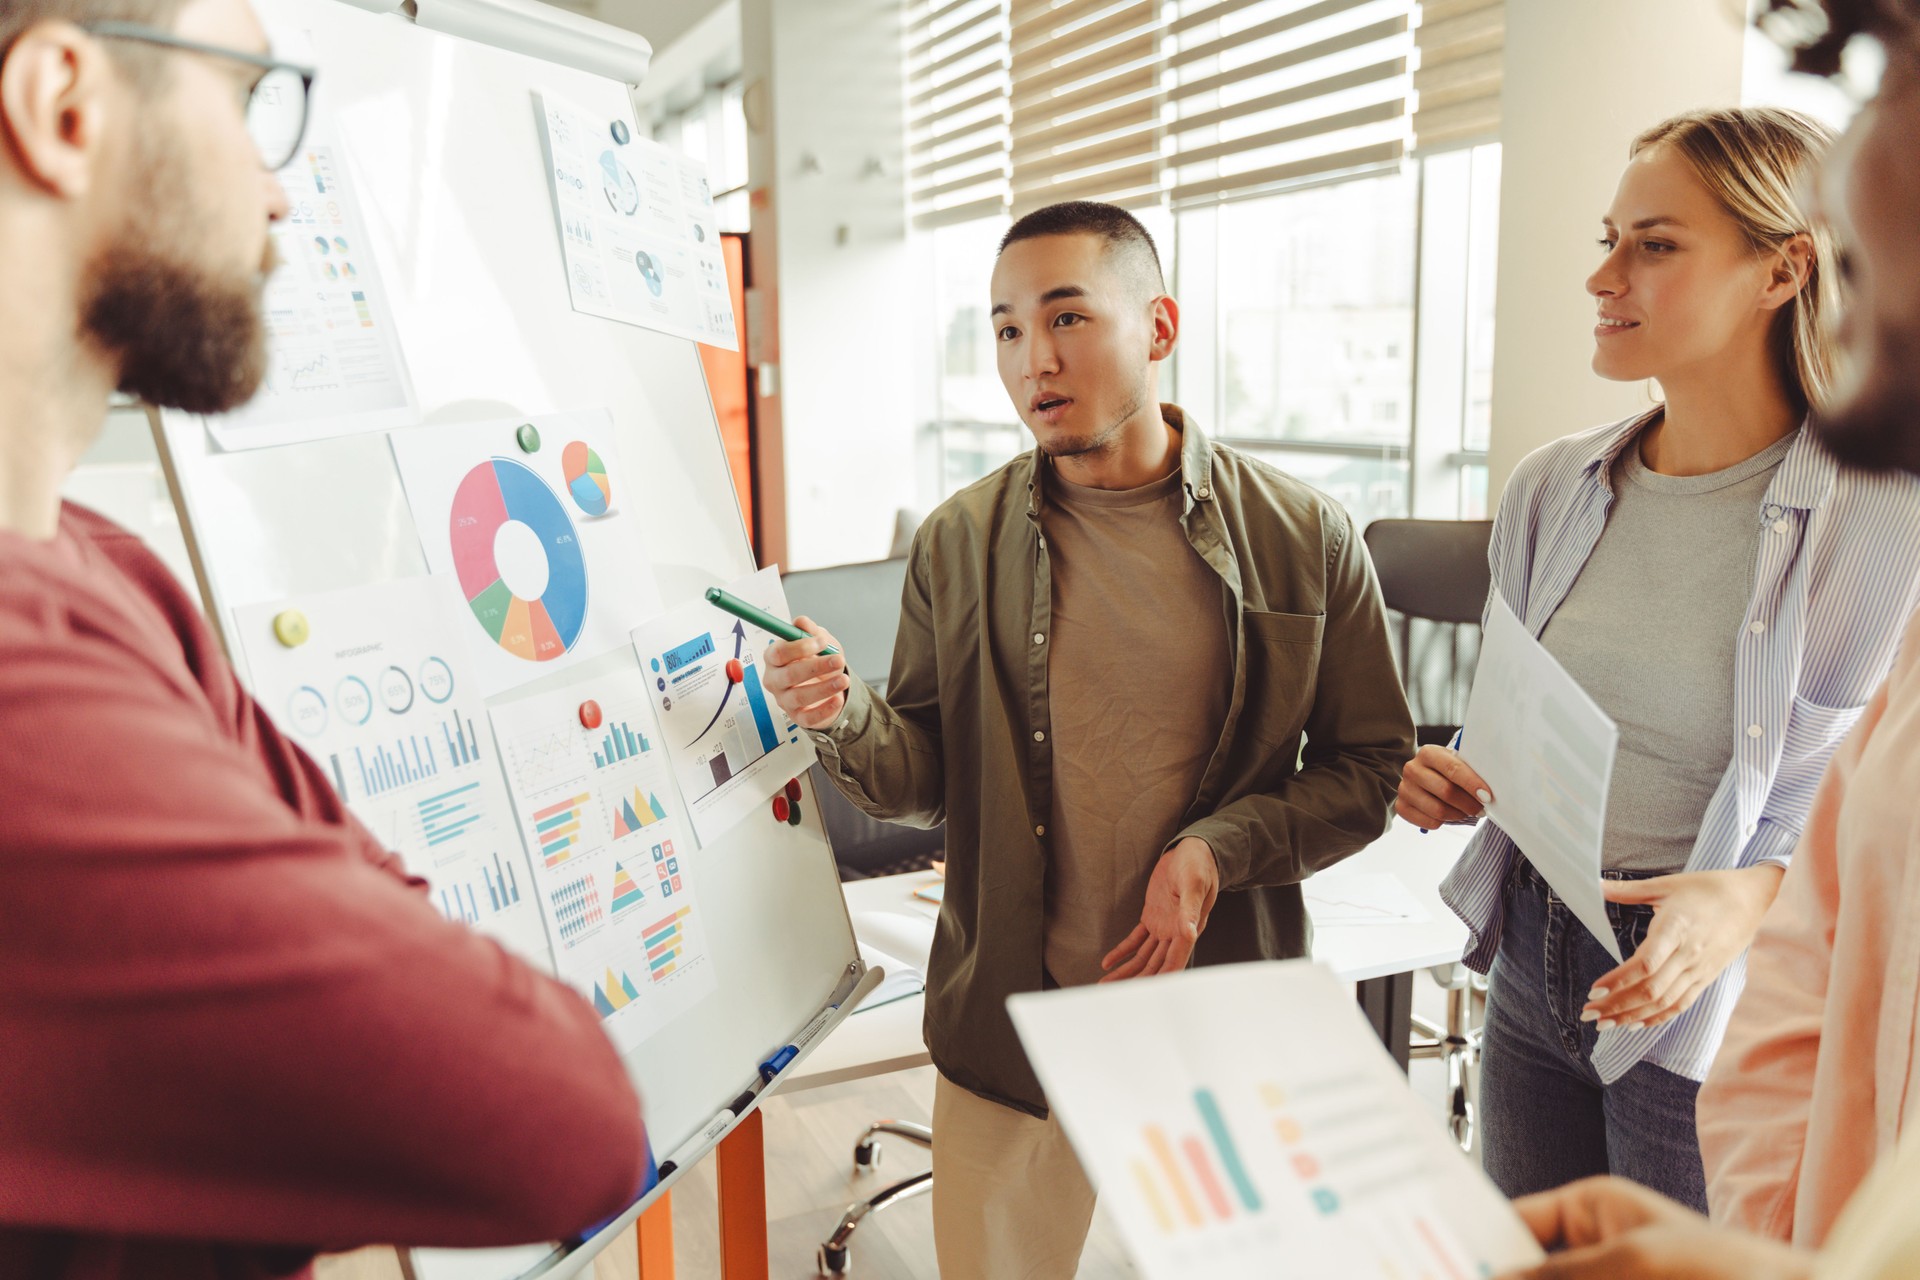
1437	787
1611	1229
1702	921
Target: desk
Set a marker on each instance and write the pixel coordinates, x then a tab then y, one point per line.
1380	959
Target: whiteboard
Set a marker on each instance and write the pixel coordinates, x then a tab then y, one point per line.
444	139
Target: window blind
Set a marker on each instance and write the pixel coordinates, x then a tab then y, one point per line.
957	110
1457	84
1263	93
1085	114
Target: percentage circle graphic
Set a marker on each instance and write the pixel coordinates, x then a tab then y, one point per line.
498	495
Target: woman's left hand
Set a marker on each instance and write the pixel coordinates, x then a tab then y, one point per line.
1702	920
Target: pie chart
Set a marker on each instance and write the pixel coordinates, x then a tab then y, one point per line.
586	478
505	522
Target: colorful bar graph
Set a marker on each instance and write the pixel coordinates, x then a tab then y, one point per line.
665	942
1183	1196
722	771
621	743
1151	1194
1209	1181
1229	1154
757	699
458	905
557	829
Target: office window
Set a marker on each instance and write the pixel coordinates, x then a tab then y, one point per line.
713	129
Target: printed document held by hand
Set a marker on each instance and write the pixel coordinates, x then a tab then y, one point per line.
1243	1122
1546	751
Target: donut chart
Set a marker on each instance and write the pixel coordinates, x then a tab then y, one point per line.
491	495
586	478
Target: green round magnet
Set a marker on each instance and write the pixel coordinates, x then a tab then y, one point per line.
529	437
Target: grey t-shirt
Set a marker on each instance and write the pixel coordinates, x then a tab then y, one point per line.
1649	631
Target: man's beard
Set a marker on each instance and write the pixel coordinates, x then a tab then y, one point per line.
185	336
1878	427
1101	441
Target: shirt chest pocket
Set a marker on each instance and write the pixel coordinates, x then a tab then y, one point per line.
1283	667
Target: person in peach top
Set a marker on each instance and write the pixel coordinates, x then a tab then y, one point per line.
1819	1071
1818	1080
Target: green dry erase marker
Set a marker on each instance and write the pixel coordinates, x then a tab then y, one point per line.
759	617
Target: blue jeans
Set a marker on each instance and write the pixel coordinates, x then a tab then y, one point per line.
1547	1118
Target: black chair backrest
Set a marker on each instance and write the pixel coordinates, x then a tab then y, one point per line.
859	604
1433	569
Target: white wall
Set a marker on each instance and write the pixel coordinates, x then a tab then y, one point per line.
1580	81
824	102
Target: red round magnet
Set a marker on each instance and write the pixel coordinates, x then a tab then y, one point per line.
590	714
779	808
793	790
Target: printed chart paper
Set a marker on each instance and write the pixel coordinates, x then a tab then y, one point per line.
1239	1147
1338	898
382	695
335	366
548	558
610	857
1546	750
732	746
636	227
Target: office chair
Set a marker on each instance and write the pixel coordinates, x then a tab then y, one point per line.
860	604
1434	575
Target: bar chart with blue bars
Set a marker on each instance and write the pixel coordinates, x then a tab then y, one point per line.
622	743
450	814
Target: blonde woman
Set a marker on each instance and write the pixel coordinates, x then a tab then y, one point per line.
1731	597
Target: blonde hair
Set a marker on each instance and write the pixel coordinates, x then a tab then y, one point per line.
1753	160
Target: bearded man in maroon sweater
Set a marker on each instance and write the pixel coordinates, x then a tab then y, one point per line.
224	1038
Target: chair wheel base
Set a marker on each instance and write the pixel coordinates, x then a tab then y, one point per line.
866	1156
830	1261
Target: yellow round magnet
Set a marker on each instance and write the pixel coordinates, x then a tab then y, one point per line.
290	628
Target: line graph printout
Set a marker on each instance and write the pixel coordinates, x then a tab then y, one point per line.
334	362
609	851
1338	897
732	747
1546	750
1237	1147
534	518
380	692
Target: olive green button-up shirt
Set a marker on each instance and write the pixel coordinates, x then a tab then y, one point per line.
1304	775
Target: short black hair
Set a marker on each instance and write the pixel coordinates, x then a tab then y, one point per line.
1120	229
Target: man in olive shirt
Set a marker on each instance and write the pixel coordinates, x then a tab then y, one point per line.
1145	681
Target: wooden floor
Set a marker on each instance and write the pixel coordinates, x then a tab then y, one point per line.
810	1182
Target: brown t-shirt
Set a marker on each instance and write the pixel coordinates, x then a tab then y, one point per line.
1140	676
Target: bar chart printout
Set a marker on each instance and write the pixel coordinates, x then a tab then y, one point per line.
601	815
730	745
1233	1147
382	696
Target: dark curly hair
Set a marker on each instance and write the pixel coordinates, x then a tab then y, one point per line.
1817	30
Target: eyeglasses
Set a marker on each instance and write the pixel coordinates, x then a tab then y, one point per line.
277	105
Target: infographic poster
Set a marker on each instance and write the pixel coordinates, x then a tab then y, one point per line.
530	516
609	848
637	227
732	747
374	683
334	363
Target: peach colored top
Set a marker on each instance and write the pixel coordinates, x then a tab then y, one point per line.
1817	1075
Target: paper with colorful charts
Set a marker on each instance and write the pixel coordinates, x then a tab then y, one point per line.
529	515
732	746
1243	1121
614	869
378	688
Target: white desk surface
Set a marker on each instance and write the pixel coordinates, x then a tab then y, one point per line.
875	1041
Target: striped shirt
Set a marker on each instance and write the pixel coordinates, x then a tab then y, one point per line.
1837	574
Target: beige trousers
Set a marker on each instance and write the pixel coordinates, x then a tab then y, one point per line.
1009	1199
